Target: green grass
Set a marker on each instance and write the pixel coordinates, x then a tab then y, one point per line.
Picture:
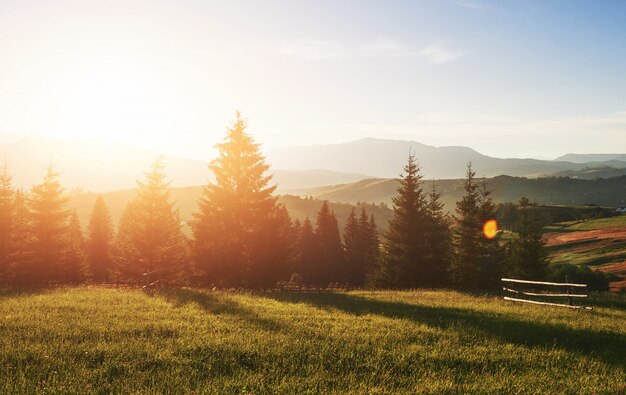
593	224
99	340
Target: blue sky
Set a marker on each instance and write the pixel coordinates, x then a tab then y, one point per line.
519	78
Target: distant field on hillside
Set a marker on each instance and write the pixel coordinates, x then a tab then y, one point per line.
100	340
549	190
599	243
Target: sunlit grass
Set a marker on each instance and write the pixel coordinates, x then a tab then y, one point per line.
109	340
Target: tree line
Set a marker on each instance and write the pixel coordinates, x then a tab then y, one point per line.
242	237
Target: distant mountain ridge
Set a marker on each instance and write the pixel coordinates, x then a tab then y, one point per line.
586	158
385	158
550	190
101	167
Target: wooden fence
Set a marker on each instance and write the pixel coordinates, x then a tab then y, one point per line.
563	290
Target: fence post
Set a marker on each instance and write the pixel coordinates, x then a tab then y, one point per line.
570	300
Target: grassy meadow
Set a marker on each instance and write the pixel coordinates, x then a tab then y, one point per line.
107	340
598	243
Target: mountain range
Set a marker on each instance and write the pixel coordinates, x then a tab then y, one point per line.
100	167
385	158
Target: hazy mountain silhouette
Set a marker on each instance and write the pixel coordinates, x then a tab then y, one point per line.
98	167
550	190
586	158
385	158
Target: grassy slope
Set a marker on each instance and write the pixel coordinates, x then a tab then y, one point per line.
600	243
94	339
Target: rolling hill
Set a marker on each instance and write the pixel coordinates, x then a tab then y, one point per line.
551	191
586	158
100	167
385	159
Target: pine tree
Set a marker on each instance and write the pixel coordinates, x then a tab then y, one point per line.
361	246
437	239
49	226
21	259
307	250
240	231
467	233
372	245
492	257
354	242
403	261
330	265
150	240
99	241
74	269
528	257
7	222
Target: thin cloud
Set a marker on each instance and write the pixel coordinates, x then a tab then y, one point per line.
438	53
471	4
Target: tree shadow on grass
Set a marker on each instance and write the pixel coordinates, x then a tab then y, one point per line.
606	346
23	291
219	304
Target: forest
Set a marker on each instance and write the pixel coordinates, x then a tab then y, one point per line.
242	237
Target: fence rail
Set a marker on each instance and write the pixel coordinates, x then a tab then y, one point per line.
569	295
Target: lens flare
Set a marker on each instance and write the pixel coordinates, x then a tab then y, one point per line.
490	229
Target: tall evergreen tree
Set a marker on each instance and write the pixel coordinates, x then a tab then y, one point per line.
372	245
150	238
437	239
74	269
467	233
477	260
527	255
330	265
49	226
361	246
21	258
492	257
240	232
403	262
100	235
306	255
7	220
354	240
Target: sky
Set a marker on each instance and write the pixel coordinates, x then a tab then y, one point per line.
507	78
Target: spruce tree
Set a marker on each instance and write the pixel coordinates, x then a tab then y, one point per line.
74	269
21	257
241	234
330	265
361	246
100	235
7	222
528	257
437	239
467	233
372	245
49	242
492	258
150	240
306	256
354	242
403	262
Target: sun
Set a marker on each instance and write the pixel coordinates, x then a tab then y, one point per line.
114	104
